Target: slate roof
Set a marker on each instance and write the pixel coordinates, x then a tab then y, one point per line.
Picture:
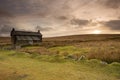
26	33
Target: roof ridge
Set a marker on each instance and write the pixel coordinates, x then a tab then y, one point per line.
27	31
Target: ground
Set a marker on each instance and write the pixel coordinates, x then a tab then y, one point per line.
60	59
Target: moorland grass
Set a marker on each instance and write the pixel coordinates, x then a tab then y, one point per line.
58	59
22	66
108	51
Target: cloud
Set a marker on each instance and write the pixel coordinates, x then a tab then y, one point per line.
62	18
5	29
43	28
22	7
79	22
113	24
57	15
111	3
4	13
119	17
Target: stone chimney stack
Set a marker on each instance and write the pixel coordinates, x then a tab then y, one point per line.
38	31
12	31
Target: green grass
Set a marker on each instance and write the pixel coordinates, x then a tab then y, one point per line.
22	66
69	49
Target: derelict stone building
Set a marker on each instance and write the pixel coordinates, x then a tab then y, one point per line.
19	38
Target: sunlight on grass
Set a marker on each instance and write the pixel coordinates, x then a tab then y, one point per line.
41	67
69	49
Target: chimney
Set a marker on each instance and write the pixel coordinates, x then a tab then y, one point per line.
12	31
38	31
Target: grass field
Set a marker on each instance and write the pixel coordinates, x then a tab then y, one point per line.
80	57
21	66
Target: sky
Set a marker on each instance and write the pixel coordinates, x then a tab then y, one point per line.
60	17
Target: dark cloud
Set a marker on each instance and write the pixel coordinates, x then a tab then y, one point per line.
5	29
79	22
17	6
4	13
5	22
43	28
12	6
113	24
112	3
62	18
40	7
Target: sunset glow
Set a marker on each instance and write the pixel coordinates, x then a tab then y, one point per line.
97	32
60	17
